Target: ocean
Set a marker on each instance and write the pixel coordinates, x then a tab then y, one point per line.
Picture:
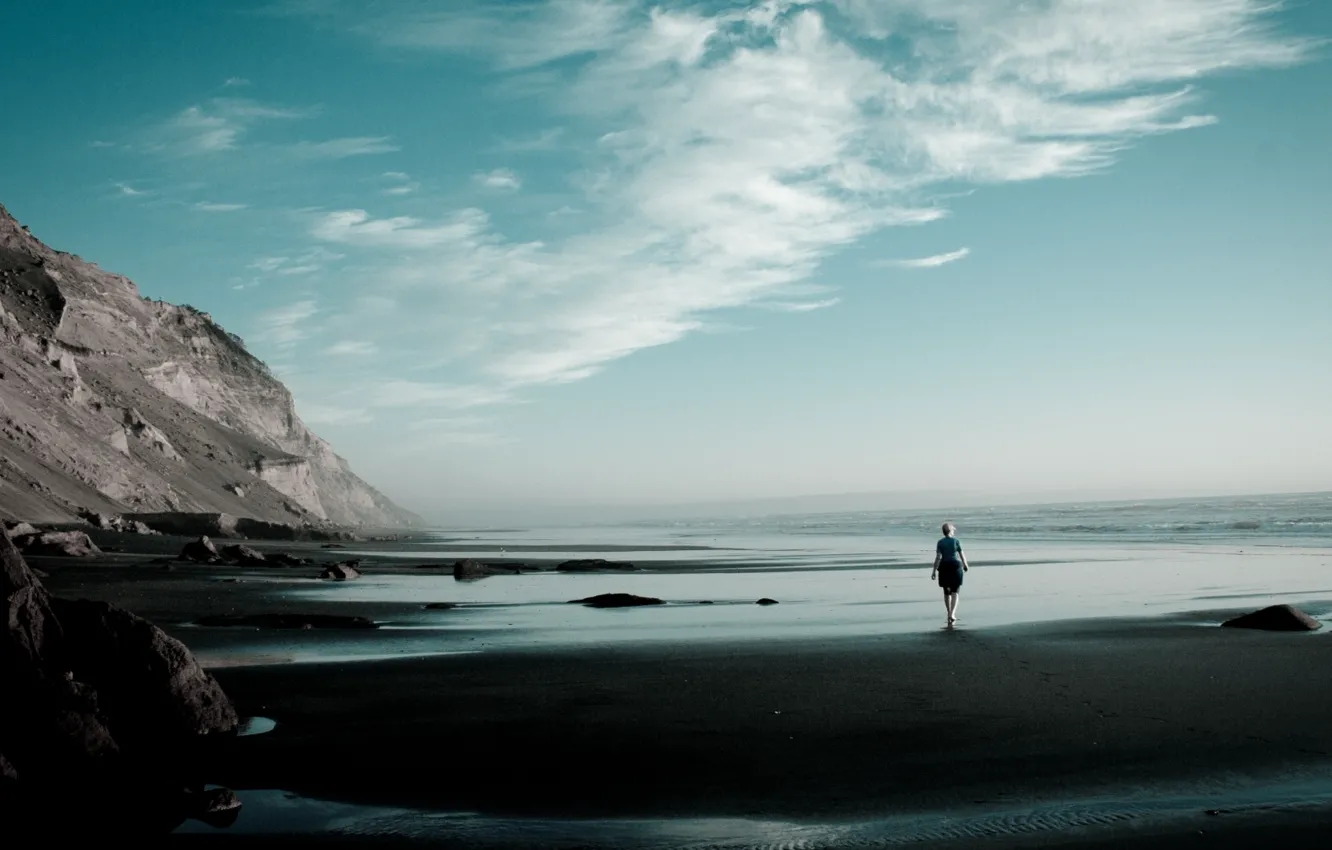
833	575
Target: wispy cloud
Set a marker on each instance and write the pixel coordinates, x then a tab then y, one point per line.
544	141
740	149
99	143
345	147
303	263
500	178
803	306
218	124
927	262
404	184
209	206
234	82
287	325
352	347
129	191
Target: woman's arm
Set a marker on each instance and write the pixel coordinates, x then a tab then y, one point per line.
963	556
934	570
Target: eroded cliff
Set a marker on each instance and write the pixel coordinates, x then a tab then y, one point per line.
112	402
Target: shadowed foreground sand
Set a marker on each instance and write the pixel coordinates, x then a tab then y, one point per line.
799	731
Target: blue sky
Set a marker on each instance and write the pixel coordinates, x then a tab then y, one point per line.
575	251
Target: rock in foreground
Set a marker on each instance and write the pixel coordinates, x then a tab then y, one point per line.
468	568
1277	618
616	600
344	571
104	716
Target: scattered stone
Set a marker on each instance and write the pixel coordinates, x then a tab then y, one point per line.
332	546
706	602
63	544
19	529
616	600
236	490
201	551
592	565
344	571
766	601
288	621
1276	618
243	555
439	606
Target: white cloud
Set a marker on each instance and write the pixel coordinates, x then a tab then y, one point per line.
353	347
287	325
396	175
233	82
500	178
928	262
543	141
738	150
803	306
129	191
98	143
207	206
218	124
343	148
306	262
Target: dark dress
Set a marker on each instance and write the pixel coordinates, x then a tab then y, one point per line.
949	550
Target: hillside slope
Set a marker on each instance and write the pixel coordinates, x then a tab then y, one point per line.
112	402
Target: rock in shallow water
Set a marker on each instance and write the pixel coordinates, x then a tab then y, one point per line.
1276	618
616	600
344	571
289	621
63	544
592	565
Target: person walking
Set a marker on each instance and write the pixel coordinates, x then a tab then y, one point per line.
949	565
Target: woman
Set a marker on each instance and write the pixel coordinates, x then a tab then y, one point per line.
949	565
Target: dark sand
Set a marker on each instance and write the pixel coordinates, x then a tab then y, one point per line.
989	720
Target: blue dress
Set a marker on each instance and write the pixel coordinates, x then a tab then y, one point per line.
949	550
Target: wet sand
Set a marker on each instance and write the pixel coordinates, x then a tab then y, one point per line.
993	736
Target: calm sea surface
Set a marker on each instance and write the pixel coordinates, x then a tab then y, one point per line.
834	575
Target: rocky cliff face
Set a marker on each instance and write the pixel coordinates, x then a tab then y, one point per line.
111	402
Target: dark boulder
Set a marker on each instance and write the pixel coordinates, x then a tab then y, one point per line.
616	600
61	544
149	684
1277	618
766	601
289	621
217	807
201	551
243	555
440	606
7	771
344	571
592	565
332	546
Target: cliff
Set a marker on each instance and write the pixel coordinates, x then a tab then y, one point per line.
115	403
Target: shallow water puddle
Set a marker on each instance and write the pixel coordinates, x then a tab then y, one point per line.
277	812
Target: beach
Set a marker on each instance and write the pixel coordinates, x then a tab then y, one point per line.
1057	712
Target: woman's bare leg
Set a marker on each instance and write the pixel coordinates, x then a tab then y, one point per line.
952	612
948	606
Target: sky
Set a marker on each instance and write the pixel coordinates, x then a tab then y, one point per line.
590	252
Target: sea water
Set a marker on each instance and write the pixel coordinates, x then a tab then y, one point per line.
834	575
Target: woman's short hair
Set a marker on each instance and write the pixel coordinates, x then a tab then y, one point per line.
948	528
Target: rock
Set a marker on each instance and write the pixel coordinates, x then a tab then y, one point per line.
439	606
201	551
243	555
1277	618
148	683
332	546
217	807
236	490
344	571
616	600
7	771
289	621
19	529
592	565
469	568
766	601
64	544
